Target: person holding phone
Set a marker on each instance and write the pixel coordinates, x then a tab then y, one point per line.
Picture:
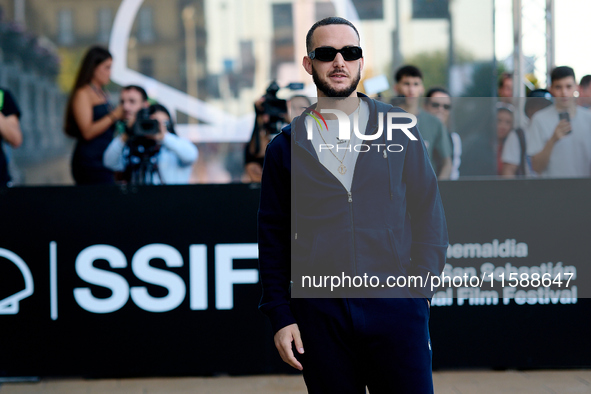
559	139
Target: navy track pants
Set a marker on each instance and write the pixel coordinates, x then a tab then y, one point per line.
349	344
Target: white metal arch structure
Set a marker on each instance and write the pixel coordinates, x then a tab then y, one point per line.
219	126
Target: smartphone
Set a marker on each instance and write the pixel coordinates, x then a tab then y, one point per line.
565	116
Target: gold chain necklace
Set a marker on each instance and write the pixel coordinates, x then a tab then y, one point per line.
342	168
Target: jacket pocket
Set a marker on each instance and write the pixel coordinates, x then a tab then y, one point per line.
330	253
375	252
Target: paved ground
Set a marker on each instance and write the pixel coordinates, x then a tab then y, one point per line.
462	382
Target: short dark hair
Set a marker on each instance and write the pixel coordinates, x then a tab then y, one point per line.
585	81
504	76
561	73
141	90
408	71
331	20
437	89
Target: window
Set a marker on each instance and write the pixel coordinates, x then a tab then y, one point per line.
65	35
146	66
105	17
283	49
430	9
145	31
248	63
369	9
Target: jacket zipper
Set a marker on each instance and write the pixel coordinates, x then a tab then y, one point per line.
389	176
350	195
349	199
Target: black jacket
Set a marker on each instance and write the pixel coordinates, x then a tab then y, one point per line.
391	223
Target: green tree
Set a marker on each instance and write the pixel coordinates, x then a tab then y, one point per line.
434	65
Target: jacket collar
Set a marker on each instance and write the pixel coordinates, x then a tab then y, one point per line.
298	125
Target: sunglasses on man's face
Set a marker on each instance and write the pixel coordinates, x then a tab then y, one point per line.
447	107
327	54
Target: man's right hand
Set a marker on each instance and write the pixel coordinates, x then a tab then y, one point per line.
562	130
283	339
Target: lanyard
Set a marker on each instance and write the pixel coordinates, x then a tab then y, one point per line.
1	99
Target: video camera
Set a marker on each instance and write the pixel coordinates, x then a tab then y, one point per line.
276	108
143	126
143	150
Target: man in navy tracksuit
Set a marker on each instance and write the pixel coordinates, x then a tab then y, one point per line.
334	208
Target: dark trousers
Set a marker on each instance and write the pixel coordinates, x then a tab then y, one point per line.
349	344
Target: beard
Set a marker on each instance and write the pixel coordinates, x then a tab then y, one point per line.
328	91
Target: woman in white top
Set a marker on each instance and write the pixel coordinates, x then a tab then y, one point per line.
162	158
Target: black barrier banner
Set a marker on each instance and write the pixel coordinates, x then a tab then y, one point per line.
514	232
163	281
533	252
131	282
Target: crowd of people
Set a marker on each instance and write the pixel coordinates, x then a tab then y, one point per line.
136	142
544	145
554	141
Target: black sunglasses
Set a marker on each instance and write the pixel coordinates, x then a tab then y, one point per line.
327	54
437	105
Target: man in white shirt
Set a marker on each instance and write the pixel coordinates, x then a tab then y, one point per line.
515	159
559	139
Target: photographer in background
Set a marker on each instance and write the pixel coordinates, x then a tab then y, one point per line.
272	114
10	131
133	99
150	152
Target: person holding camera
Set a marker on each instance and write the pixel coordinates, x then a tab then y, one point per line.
150	151
271	115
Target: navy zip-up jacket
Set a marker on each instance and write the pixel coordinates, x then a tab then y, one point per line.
391	223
